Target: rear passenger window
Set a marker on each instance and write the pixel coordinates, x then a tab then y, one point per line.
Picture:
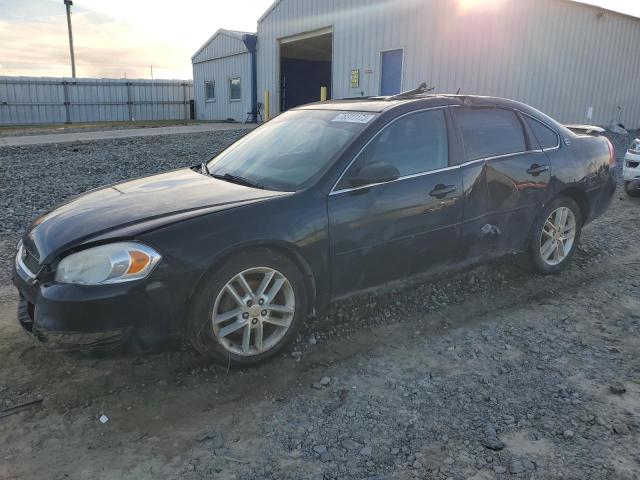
545	136
489	132
413	144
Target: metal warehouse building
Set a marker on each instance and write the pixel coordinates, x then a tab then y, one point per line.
575	62
224	70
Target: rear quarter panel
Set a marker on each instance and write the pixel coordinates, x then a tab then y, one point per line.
583	164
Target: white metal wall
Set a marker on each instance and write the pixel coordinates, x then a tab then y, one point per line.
224	57
556	55
221	70
35	100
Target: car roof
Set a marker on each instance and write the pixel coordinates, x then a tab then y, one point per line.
381	104
352	104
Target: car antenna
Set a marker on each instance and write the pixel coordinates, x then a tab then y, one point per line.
458	92
422	89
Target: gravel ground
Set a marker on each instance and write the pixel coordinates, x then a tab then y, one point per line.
488	373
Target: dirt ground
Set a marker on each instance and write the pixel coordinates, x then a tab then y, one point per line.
488	373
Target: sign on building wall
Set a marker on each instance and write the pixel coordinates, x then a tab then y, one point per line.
355	78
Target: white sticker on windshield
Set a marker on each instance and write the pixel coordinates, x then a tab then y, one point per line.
353	117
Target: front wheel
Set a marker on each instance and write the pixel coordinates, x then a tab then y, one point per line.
555	236
249	309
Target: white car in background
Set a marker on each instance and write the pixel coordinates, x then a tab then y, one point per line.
631	169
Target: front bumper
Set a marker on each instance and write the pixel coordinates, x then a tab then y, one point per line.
67	342
68	317
631	167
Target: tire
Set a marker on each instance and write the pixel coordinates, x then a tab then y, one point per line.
224	339
632	192
549	260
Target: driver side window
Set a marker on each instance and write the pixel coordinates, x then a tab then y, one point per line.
415	143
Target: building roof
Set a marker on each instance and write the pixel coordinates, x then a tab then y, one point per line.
238	35
578	2
618	11
269	10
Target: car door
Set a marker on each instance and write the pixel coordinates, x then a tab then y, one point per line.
515	171
390	229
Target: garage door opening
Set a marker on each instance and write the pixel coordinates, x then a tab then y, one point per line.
305	67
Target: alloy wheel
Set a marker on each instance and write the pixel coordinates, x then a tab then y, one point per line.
253	311
558	236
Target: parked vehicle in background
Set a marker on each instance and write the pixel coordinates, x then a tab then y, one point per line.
323	201
631	169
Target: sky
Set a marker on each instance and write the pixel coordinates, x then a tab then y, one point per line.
131	38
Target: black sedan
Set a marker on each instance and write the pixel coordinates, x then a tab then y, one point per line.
323	201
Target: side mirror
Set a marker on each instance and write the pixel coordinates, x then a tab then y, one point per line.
378	172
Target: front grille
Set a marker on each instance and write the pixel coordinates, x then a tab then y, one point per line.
633	164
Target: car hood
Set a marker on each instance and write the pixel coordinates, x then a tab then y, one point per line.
152	201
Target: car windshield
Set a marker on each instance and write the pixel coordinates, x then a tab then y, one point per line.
292	150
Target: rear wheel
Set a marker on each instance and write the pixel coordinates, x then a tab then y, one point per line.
555	236
249	309
631	189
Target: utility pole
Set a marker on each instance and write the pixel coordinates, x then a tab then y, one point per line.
151	71
68	4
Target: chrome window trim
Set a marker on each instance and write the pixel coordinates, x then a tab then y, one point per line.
355	157
505	155
557	147
406	177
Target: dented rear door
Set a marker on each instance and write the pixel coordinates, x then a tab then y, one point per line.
506	180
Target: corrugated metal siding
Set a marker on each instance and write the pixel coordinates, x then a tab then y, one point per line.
559	56
220	71
35	100
222	45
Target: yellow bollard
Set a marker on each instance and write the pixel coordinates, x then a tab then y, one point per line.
323	94
267	106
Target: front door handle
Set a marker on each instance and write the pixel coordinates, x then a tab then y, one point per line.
441	191
536	169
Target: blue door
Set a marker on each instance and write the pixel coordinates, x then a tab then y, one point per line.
391	72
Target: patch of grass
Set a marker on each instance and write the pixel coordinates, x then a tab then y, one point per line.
22	129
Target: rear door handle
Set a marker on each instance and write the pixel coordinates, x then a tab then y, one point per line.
536	169
441	191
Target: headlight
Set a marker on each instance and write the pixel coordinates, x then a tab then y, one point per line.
112	263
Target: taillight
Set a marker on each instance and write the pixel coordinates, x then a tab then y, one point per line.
612	153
